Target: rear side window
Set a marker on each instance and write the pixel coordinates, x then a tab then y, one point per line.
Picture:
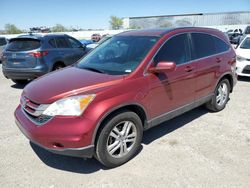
203	45
175	50
220	45
52	43
61	42
2	41
23	44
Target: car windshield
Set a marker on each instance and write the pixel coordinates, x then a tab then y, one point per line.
246	43
118	55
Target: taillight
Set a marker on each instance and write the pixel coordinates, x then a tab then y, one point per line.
39	54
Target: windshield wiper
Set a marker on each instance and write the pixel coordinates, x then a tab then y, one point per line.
94	69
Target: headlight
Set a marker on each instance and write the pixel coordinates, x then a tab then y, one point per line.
239	58
70	106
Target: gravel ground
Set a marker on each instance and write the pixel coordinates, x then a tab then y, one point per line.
197	149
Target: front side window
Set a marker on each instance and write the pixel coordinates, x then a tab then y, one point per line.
118	55
175	50
246	43
74	43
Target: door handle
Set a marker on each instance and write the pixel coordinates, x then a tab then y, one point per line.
189	69
218	60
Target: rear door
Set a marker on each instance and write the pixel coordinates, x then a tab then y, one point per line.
175	89
18	53
207	56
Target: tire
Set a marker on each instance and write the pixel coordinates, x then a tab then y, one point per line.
58	66
120	139
20	81
221	96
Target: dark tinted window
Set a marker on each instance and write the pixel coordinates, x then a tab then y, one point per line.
23	44
175	50
52	43
61	42
74	43
220	45
2	41
247	31
203	45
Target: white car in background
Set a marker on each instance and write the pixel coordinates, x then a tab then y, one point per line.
243	57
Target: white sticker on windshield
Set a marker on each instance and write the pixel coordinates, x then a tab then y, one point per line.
127	70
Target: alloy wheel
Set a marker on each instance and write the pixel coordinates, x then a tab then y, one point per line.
121	139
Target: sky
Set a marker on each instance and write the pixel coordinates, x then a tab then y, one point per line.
94	14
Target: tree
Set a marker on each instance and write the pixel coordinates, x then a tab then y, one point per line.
59	28
115	22
12	29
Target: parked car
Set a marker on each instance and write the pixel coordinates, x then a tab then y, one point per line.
86	42
238	37
243	57
3	43
94	45
234	35
101	106
96	37
30	56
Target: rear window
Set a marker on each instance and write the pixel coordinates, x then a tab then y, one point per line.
23	45
2	41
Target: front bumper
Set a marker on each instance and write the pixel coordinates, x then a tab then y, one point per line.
65	136
243	68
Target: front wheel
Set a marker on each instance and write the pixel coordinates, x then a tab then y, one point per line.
221	96
120	139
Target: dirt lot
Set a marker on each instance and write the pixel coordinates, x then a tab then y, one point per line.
197	149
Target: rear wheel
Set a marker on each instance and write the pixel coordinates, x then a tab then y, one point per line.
58	66
20	81
221	96
120	139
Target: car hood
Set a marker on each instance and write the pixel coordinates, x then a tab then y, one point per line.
243	53
67	82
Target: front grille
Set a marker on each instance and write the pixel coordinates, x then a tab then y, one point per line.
34	111
246	70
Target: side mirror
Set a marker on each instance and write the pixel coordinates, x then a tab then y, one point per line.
83	46
163	66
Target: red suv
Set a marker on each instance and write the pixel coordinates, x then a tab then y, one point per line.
132	82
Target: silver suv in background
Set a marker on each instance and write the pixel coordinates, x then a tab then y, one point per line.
30	56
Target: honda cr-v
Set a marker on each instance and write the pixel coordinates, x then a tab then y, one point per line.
130	83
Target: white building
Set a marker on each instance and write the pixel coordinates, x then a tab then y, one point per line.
223	21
